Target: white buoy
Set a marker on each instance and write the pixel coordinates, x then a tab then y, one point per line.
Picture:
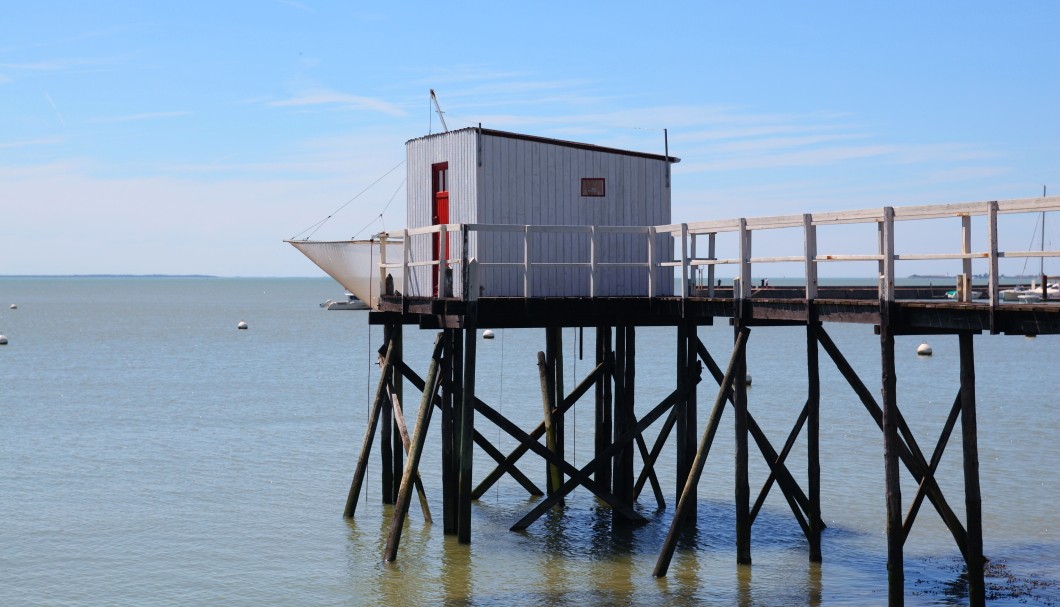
3	339
14	306
923	349
487	334
241	325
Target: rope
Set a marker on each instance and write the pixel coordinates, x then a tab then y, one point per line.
380	217
316	226
573	381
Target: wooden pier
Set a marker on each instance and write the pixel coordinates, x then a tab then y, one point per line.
456	310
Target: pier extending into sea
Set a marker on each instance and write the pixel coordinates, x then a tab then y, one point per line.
449	303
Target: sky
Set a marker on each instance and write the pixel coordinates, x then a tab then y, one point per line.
193	137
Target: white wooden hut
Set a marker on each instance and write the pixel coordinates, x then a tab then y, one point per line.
509	181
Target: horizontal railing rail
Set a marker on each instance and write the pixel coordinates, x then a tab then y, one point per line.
685	240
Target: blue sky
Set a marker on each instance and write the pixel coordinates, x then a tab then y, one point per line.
192	137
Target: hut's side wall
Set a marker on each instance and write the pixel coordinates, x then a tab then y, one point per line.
459	149
526	182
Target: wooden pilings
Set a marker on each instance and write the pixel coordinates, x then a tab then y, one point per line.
449	392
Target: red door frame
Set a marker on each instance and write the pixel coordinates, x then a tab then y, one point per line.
439	213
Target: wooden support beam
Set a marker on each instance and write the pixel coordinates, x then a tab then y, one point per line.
422	422
742	485
504	465
688	492
649	469
582	476
973	501
813	427
917	466
448	423
387	442
553	476
397	385
603	411
779	473
625	371
507	464
656	450
369	436
602	492
936	457
892	480
406	445
775	461
466	430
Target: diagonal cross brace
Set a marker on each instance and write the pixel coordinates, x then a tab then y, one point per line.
481	441
507	464
582	477
916	465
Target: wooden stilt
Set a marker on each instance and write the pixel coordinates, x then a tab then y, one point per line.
743	490
813	440
387	434
603	423
467	431
936	457
688	492
892	480
556	365
973	502
553	478
397	386
401	507
447	423
369	436
625	354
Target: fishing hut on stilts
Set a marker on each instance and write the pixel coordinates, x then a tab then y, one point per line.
513	231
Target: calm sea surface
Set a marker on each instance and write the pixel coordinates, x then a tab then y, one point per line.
153	454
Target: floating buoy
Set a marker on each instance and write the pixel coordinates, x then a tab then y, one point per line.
923	349
14	306
3	340
241	325
487	334
748	379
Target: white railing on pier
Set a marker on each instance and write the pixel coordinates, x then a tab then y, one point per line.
685	240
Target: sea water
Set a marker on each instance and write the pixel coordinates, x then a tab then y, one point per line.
151	453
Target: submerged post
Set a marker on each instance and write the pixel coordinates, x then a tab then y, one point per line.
973	501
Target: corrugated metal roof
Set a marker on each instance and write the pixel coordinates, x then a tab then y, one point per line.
560	142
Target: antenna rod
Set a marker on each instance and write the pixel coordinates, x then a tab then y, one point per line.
438	108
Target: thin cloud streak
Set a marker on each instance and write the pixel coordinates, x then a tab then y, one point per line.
139	117
348	101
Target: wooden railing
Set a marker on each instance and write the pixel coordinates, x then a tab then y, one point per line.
684	257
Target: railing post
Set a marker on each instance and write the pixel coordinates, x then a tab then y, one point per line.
684	261
886	228
406	243
810	246
991	234
711	254
526	262
594	245
692	257
745	261
651	261
382	267
463	262
966	262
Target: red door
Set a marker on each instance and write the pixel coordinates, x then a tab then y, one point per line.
439	213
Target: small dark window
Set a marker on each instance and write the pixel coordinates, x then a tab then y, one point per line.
593	186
